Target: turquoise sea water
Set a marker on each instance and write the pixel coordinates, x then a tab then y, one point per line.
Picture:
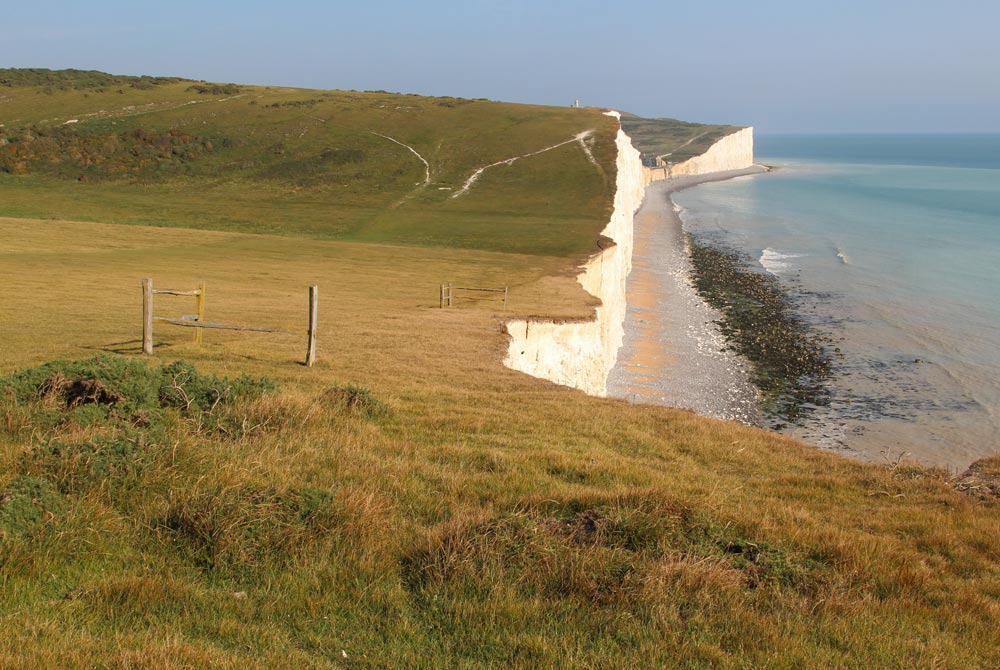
896	242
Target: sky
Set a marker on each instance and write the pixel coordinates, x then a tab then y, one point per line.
782	66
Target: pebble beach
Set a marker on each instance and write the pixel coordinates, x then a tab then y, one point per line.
674	353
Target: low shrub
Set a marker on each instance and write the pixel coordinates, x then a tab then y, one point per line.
27	503
356	400
116	387
232	531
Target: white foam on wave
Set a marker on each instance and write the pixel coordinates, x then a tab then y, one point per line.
842	256
774	261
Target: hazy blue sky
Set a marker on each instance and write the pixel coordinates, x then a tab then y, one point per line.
781	65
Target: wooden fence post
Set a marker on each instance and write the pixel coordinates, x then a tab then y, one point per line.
147	316
505	297
200	310
441	297
313	316
450	292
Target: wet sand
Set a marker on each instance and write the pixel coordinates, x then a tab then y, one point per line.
674	353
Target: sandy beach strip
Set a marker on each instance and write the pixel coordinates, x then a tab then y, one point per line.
674	353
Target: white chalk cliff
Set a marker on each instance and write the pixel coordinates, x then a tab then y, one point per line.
732	152
582	353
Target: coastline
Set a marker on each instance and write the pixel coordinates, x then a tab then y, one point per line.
892	393
674	352
583	353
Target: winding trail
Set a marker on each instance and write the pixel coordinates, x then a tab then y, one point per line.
676	149
427	166
590	156
579	137
132	110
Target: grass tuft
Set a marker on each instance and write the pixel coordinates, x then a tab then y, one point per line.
233	531
356	401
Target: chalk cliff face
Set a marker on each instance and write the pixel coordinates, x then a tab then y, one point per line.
582	353
732	152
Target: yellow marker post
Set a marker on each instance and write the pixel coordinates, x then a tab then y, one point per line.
200	310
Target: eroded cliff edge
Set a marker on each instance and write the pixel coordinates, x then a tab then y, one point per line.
582	353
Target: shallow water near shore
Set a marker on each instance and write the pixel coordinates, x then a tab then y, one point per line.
896	243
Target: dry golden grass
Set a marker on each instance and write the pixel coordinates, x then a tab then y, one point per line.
487	519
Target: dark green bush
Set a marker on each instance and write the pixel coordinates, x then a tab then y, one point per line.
26	503
356	400
215	89
116	462
117	387
71	79
183	387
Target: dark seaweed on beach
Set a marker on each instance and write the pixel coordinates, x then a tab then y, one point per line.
791	362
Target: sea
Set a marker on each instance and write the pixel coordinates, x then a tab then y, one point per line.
890	246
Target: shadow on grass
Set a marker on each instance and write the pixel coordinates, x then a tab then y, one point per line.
125	347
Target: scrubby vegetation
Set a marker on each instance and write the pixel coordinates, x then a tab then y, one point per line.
309	102
65	80
215	89
66	152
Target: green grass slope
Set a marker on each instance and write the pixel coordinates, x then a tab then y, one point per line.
301	162
408	502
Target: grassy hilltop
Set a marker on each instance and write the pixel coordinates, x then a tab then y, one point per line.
408	502
671	140
318	164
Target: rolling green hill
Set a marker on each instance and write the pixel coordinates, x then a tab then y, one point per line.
322	164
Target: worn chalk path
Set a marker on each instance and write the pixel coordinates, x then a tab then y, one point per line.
671	153
427	166
579	137
132	110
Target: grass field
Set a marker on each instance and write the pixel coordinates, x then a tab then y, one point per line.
410	502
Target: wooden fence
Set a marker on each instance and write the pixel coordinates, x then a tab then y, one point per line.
196	320
448	294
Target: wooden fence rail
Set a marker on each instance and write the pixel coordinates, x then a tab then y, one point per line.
199	296
197	322
447	295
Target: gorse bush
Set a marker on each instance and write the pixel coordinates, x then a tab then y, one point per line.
356	400
115	462
106	430
215	89
73	151
113	387
183	387
27	503
77	79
